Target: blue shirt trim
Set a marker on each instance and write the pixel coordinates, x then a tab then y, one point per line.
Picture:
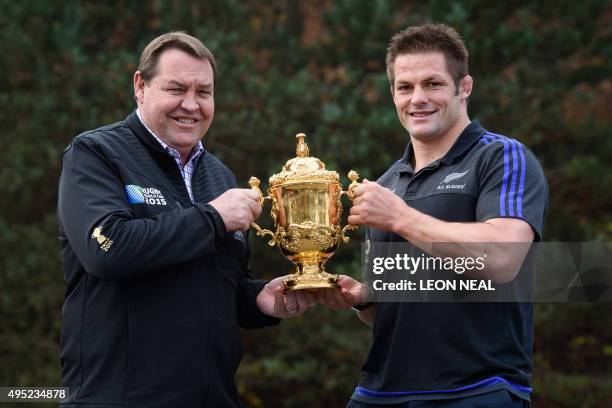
513	182
483	383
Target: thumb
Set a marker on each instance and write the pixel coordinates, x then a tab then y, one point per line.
350	297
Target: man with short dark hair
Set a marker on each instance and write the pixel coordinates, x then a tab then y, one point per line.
155	255
493	190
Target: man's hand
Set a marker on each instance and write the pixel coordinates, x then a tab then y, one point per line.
274	302
238	207
376	206
350	293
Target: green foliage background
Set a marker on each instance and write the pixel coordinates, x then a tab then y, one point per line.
543	75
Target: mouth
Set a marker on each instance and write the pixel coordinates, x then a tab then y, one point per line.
422	114
184	121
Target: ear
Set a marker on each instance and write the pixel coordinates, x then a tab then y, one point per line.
139	85
465	87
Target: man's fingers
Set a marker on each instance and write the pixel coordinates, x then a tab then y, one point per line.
361	188
303	300
335	300
291	303
254	207
346	282
352	297
279	301
355	220
251	194
357	191
355	209
238	207
310	298
330	301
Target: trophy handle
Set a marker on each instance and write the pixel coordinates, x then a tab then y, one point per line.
348	227
254	183
353	176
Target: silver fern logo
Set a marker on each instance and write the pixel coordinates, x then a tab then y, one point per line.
444	184
454	176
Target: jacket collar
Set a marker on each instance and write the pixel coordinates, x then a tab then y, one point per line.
145	137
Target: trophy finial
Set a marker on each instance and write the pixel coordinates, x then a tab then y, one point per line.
302	148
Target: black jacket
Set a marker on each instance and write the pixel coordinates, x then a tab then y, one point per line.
156	288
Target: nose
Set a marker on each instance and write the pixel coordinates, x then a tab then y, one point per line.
189	102
419	96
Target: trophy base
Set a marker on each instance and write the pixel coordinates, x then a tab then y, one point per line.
311	277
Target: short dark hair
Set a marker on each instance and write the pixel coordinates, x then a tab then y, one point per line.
177	40
430	38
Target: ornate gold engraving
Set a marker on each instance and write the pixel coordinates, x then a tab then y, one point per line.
306	210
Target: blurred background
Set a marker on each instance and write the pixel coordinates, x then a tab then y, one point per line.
543	75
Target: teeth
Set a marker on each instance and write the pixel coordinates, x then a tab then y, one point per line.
420	114
186	121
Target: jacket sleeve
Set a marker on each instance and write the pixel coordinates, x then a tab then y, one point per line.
101	227
249	315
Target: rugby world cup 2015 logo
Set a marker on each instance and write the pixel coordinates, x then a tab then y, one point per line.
141	195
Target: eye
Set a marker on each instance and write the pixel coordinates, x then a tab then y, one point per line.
434	84
175	91
204	93
403	87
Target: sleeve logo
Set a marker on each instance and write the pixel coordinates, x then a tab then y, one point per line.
239	235
103	241
148	195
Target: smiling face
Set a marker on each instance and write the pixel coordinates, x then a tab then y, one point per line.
177	104
429	104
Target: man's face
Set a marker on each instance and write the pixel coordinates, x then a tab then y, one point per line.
177	104
425	95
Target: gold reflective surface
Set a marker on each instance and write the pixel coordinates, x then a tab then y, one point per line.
306	210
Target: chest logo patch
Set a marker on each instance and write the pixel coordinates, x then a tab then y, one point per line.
445	184
144	195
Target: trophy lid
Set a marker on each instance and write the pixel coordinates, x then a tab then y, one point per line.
303	168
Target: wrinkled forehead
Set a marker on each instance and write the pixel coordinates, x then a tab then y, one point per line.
177	65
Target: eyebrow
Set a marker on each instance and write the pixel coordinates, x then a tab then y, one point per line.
437	78
173	82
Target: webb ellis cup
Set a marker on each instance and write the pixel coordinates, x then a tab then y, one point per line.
306	211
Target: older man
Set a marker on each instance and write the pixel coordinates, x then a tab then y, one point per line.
155	257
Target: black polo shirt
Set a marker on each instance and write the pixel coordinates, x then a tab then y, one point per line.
450	350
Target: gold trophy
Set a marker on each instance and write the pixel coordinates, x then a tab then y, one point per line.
306	211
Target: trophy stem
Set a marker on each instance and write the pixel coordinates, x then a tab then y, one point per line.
310	274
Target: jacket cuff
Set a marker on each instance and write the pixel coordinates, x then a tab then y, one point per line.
215	220
256	318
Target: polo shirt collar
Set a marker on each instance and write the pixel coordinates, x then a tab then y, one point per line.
470	134
405	163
